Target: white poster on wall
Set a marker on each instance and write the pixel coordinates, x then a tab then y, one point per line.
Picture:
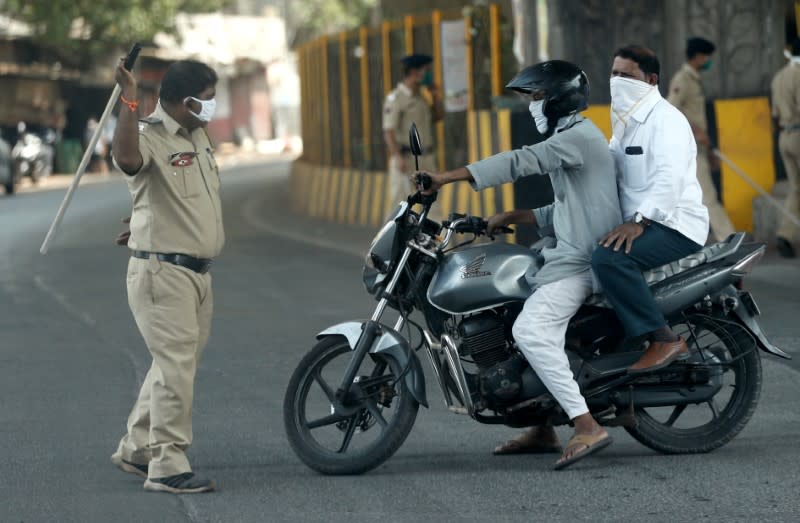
454	66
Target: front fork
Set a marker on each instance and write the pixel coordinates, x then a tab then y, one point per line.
372	328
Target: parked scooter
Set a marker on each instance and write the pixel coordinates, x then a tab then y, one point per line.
32	155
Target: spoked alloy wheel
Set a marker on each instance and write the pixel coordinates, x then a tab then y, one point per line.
377	416
690	429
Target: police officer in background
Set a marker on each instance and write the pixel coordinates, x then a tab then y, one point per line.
686	93
175	231
786	109
403	106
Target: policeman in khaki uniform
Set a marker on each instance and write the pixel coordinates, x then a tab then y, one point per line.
175	231
403	106
686	93
786	109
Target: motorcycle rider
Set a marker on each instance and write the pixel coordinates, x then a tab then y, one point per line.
575	155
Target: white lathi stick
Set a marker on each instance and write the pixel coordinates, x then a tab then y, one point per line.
743	175
87	155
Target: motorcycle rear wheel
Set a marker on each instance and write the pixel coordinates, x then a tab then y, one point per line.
333	444
696	429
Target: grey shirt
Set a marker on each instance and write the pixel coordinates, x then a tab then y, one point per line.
586	205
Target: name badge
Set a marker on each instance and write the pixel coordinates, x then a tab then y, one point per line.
183	159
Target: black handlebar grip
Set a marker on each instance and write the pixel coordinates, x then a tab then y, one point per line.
131	58
424	181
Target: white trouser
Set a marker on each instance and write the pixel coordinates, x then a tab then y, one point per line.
540	332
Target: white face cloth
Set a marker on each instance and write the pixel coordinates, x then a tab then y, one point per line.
627	95
535	107
794	59
207	109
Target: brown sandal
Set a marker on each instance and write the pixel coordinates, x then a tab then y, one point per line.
593	443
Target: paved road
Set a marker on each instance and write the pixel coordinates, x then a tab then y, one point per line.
71	361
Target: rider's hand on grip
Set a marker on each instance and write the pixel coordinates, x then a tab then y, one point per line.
423	181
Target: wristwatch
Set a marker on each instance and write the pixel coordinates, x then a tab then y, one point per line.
639	219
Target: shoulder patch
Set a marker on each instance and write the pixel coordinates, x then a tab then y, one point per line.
144	123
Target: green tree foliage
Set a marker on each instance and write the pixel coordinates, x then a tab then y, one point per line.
89	27
316	17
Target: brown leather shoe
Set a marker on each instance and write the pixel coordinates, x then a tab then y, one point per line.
658	355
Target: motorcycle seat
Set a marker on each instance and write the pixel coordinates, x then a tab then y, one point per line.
658	274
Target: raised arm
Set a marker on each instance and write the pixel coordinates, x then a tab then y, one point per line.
125	144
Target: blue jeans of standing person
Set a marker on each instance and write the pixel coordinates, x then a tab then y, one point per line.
622	280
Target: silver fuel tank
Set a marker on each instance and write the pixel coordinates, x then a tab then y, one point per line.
483	276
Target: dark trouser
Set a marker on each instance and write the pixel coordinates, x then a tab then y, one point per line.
623	283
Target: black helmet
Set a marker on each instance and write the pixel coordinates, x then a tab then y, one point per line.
565	86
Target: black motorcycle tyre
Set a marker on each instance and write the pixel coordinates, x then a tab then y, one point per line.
331	463
656	436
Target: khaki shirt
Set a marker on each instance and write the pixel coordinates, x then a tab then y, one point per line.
686	93
786	96
176	204
402	108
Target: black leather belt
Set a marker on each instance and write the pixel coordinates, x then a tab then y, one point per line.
790	128
198	265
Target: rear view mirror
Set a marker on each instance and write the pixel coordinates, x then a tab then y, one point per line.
414	141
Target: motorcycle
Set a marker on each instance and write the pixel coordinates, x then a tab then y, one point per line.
353	399
32	155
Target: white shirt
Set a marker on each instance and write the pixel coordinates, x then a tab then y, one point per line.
657	170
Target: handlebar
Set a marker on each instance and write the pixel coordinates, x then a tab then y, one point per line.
463	224
473	225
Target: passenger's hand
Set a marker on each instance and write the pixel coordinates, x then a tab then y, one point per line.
623	235
436	182
496	222
125	79
122	238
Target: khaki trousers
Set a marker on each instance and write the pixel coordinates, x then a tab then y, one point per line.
721	226
789	146
172	307
401	186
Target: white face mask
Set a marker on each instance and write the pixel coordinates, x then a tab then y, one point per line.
207	108
535	107
627	95
794	59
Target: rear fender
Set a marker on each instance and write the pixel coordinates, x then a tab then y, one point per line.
748	319
391	343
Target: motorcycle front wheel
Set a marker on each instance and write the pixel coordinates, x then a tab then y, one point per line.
694	429
380	410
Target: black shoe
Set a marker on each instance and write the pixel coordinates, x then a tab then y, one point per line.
185	483
785	248
127	466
